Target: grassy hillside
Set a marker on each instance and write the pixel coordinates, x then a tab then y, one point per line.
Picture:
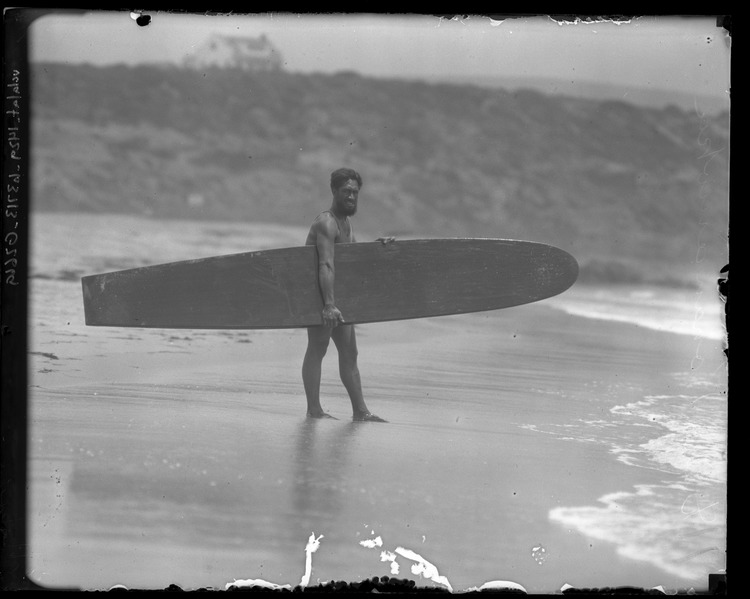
632	192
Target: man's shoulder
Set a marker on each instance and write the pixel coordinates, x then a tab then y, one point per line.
326	215
325	220
325	223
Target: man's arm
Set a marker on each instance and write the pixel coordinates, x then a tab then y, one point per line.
325	244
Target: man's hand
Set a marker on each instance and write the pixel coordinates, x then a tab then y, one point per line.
332	316
386	240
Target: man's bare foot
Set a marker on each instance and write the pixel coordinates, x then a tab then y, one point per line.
366	417
320	414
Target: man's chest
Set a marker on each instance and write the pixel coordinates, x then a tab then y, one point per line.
345	232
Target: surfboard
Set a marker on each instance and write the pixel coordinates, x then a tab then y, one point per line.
374	282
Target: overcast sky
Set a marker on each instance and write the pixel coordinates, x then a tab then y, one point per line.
688	54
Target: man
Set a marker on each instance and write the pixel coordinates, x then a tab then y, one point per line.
329	228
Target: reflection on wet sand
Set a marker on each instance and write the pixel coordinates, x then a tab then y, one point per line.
321	458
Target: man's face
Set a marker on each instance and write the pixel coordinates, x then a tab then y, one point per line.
345	197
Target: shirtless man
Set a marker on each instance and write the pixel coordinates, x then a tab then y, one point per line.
329	228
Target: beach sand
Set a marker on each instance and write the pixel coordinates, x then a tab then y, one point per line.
183	457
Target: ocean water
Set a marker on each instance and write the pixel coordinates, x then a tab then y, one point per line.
690	312
680	525
671	425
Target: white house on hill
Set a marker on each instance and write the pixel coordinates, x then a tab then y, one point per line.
248	54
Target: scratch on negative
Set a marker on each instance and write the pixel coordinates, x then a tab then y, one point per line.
312	546
423	567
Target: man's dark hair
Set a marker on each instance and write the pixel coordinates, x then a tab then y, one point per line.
342	175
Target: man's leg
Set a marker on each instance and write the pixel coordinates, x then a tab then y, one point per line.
317	345
346	343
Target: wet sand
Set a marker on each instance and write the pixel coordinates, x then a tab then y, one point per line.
183	457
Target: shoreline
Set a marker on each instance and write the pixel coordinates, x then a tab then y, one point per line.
183	457
145	380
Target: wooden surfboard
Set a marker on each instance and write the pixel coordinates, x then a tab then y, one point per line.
375	282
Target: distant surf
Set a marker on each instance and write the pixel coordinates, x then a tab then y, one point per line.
678	311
